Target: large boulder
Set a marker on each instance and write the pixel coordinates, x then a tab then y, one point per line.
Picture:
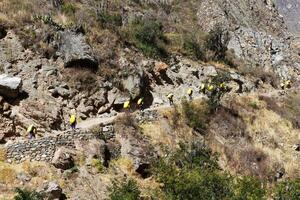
63	159
52	191
134	83
75	51
10	86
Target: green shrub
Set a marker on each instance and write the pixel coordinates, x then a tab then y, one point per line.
253	104
127	190
193	48
68	8
147	35
214	97
97	163
196	117
249	188
289	190
192	174
216	42
109	20
23	194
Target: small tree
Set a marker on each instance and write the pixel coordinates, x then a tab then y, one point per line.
127	190
23	194
216	42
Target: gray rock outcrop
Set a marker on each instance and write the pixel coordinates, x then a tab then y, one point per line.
10	86
75	51
63	159
52	191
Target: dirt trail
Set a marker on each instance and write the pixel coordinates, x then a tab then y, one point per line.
91	122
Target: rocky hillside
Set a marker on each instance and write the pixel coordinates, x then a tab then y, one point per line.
87	58
290	12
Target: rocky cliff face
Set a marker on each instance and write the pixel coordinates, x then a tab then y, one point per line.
290	10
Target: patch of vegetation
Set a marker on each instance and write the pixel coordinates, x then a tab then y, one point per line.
192	173
193	48
68	8
195	116
128	190
148	36
109	20
97	163
214	96
288	190
23	194
253	104
249	188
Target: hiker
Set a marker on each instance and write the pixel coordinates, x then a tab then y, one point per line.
203	88
287	84
209	87
190	93
31	131
126	105
73	121
170	98
222	86
140	103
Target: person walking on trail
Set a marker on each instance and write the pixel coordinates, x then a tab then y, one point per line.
203	88
190	93
31	131
140	103
73	121
223	87
126	105
170	98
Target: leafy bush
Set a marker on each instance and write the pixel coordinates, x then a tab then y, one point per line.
216	42
289	190
147	35
109	20
23	194
196	117
193	48
127	190
68	8
97	163
192	174
214	97
249	188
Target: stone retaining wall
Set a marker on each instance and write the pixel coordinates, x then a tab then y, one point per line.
43	149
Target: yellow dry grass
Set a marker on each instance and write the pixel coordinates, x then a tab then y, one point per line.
124	165
269	132
2	155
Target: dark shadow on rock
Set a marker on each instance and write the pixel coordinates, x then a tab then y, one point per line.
83	63
144	170
165	77
15	102
3	32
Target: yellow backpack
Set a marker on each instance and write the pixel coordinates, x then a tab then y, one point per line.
190	92
30	128
140	101
72	119
126	105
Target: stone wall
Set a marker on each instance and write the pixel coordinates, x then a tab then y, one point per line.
43	149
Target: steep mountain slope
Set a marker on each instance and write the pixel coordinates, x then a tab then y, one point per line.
89	57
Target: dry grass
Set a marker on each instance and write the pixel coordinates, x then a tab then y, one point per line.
7	175
247	133
2	155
